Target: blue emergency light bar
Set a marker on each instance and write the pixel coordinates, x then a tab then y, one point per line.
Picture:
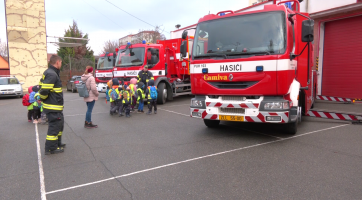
205	70
222	14
143	41
259	68
128	43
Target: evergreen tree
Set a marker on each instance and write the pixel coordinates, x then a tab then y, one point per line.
80	55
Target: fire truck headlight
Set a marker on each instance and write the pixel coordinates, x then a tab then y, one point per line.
276	105
196	103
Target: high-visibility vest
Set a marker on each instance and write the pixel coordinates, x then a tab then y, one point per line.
149	91
109	93
143	94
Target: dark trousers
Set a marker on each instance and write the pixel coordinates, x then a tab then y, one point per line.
117	105
36	114
55	130
30	114
152	103
127	109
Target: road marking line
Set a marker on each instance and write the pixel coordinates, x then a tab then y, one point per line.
189	160
174	112
40	163
175	105
84	114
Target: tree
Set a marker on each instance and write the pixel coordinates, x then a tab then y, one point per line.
80	54
3	50
151	36
110	46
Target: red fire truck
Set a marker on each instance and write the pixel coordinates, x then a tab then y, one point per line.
253	66
104	71
172	75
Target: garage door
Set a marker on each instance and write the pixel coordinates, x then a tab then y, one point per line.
342	59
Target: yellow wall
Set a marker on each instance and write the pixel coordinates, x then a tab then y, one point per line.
26	40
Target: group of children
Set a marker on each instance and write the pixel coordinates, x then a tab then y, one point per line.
126	98
34	106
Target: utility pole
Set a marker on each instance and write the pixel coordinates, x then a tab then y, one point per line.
70	67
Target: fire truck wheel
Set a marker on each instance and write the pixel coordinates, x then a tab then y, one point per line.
162	93
211	123
291	128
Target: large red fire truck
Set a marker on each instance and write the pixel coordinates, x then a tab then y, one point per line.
172	75
253	67
104	71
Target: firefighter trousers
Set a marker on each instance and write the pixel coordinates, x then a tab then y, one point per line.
55	130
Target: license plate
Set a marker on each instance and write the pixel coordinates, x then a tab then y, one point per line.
231	118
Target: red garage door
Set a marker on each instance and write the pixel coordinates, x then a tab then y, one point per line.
342	59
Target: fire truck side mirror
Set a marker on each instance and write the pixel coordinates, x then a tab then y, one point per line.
183	49
307	31
184	35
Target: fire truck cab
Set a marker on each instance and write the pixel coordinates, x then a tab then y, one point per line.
104	71
171	75
253	66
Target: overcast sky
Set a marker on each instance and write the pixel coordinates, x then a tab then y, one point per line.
103	21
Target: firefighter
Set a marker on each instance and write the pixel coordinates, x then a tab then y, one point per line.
145	75
51	94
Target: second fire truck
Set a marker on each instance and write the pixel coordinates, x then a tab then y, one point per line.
104	71
172	75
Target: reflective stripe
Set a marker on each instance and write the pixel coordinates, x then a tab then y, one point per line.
46	86
152	78
60	133
43	96
52	107
51	137
57	90
147	80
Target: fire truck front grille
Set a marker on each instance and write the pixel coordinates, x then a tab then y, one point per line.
233	85
232	98
234	111
125	79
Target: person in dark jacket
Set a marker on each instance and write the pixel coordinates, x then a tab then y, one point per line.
144	76
51	94
152	98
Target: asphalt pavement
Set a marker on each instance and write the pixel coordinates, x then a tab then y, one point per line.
173	156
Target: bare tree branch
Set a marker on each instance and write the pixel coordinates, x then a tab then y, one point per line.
110	46
3	50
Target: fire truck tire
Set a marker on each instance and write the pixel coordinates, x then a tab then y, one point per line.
291	128
162	93
211	123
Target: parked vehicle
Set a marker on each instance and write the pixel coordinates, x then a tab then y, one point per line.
10	86
104	71
171	75
73	82
253	66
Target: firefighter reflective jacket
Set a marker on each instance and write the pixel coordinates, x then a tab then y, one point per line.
51	91
144	77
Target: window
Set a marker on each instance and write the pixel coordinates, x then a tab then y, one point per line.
152	57
8	81
130	57
245	34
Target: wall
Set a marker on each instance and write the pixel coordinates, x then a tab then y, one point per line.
320	5
26	35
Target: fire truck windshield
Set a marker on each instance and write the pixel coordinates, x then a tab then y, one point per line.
246	34
105	63
130	57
